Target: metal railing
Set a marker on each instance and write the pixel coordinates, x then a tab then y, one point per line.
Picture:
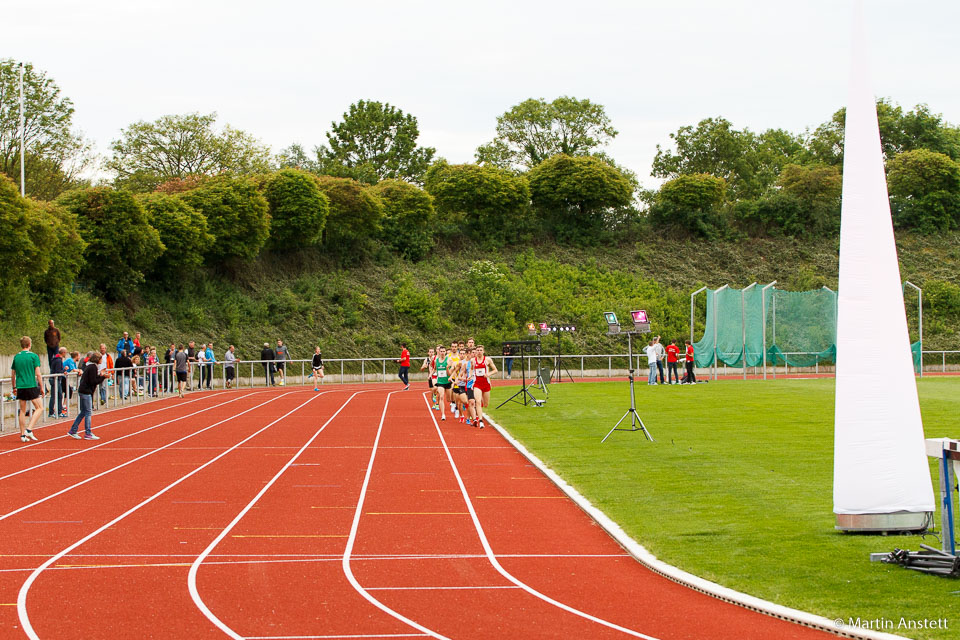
140	384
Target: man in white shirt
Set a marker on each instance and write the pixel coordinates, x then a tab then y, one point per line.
661	355
651	351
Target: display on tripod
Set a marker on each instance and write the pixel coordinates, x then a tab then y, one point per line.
525	349
641	324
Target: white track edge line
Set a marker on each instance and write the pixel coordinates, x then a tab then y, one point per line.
25	588
650	561
195	565
496	563
352	538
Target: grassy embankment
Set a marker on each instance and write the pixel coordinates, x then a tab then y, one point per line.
368	309
737	488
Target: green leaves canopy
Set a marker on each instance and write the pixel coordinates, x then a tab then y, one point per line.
375	141
121	244
691	203
535	130
408	218
491	201
183	230
355	216
54	154
237	214
924	191
298	209
177	146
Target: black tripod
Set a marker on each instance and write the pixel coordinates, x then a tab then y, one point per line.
559	366
523	396
632	411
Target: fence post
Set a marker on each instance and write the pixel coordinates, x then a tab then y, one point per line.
341	372
609	366
384	371
581	367
362	370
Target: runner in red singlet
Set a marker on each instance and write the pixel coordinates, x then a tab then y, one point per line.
483	368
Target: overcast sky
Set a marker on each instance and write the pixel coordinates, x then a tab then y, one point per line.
283	70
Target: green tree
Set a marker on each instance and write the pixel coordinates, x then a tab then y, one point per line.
491	202
298	209
691	203
535	130
375	141
924	191
899	132
408	218
237	215
19	254
121	244
574	193
54	155
748	163
354	220
807	203
183	230
177	146
62	244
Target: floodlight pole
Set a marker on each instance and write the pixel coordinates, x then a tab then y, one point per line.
743	325
23	183
763	312
716	321
919	318
692	296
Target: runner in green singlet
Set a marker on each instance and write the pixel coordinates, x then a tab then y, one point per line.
443	379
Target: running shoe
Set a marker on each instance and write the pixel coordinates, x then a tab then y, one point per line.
480	424
406	388
468	422
443	417
64	415
75	436
91	436
52	415
316	389
24	438
31	436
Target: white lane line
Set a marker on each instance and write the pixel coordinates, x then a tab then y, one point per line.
493	558
106	424
25	588
195	565
118	439
504	586
347	570
366	635
129	462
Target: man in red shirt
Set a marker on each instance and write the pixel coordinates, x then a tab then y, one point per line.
404	362
673	351
691	377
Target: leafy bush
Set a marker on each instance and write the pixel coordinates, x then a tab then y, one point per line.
691	203
419	305
354	220
924	191
493	202
183	230
121	244
408	218
943	298
237	216
298	209
63	246
19	254
572	195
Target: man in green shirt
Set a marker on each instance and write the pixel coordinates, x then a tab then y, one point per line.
28	384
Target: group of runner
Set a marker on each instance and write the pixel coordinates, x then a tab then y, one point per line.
460	379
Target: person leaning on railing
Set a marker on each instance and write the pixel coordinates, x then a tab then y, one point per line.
58	386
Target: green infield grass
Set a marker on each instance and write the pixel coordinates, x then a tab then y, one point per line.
738	488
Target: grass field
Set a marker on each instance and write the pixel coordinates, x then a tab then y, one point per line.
738	489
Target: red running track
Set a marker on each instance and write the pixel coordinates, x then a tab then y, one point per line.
350	513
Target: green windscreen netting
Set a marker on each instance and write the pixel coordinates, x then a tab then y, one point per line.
796	328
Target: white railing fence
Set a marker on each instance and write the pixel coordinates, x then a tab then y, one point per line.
141	384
